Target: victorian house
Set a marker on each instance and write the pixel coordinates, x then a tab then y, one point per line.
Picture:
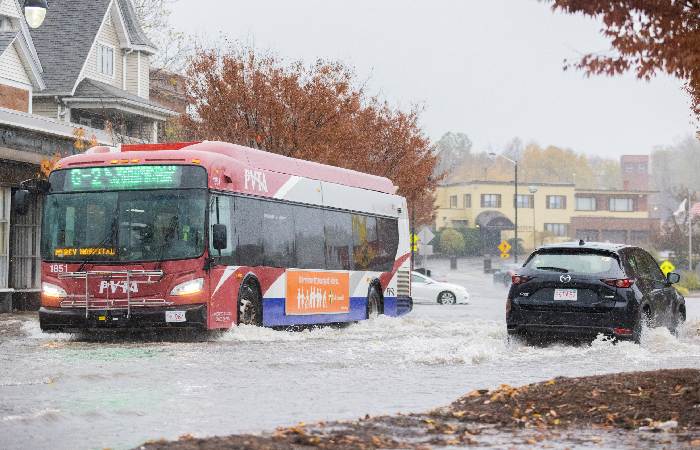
83	74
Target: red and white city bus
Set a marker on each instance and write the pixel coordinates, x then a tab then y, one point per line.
212	234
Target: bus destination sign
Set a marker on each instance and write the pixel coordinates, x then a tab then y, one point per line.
123	178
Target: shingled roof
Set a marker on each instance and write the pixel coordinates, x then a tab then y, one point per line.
6	38
94	89
66	37
64	40
136	33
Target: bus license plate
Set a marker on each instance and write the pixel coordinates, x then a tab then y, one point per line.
175	316
570	295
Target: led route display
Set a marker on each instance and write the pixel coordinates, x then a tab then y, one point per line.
123	178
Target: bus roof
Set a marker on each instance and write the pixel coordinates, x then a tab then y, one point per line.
213	153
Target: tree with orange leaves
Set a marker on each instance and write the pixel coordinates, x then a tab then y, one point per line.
315	113
80	144
648	36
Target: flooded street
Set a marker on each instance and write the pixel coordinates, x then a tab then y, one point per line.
64	392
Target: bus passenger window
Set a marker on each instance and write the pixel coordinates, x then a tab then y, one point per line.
247	231
387	245
338	229
309	238
364	237
278	235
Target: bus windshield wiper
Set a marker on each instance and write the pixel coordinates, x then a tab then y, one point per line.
553	269
110	236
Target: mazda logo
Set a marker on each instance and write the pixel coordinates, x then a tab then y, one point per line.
565	278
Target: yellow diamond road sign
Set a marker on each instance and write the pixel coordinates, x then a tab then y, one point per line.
504	247
667	267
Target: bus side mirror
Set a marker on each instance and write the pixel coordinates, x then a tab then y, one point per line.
219	237
21	202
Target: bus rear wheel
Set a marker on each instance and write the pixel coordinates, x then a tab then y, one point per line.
374	303
249	305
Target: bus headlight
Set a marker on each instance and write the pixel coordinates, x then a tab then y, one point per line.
51	290
188	287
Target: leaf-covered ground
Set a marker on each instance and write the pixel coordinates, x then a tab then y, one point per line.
576	410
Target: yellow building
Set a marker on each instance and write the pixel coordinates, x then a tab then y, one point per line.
547	212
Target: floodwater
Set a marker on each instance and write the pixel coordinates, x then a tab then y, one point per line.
68	392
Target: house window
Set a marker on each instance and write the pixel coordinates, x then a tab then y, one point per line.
4	236
467	200
105	60
621	204
453	201
585	204
490	200
556	202
557	229
525	201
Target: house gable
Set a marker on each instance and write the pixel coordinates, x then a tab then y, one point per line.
111	35
12	69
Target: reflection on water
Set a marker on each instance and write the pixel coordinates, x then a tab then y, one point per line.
251	379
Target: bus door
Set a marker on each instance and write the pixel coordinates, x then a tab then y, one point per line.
222	280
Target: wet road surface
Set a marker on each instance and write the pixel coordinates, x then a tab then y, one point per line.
68	392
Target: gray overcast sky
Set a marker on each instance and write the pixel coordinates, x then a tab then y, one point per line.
489	68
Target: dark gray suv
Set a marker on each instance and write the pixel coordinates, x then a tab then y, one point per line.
583	289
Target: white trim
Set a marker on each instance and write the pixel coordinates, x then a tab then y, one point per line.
23	49
122	22
15	84
81	74
138	72
138	108
114	60
124	66
30	43
46	125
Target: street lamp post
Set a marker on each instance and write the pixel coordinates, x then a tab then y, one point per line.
515	164
533	191
35	12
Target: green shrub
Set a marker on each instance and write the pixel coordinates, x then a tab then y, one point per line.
689	281
451	242
683	291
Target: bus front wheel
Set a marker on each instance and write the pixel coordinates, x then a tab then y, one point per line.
249	305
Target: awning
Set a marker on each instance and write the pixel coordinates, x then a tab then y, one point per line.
494	220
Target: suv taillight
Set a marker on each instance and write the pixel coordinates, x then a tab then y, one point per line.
623	283
519	279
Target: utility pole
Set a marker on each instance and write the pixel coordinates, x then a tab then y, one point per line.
413	232
690	235
515	246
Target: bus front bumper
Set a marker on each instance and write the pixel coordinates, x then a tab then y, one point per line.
74	319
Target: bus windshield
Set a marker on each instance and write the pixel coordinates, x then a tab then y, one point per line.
124	226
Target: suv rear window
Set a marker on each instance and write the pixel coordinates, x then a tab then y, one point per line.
580	262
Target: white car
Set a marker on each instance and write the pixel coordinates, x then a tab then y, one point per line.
425	289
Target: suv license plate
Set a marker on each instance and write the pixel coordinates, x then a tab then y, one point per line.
570	295
175	316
